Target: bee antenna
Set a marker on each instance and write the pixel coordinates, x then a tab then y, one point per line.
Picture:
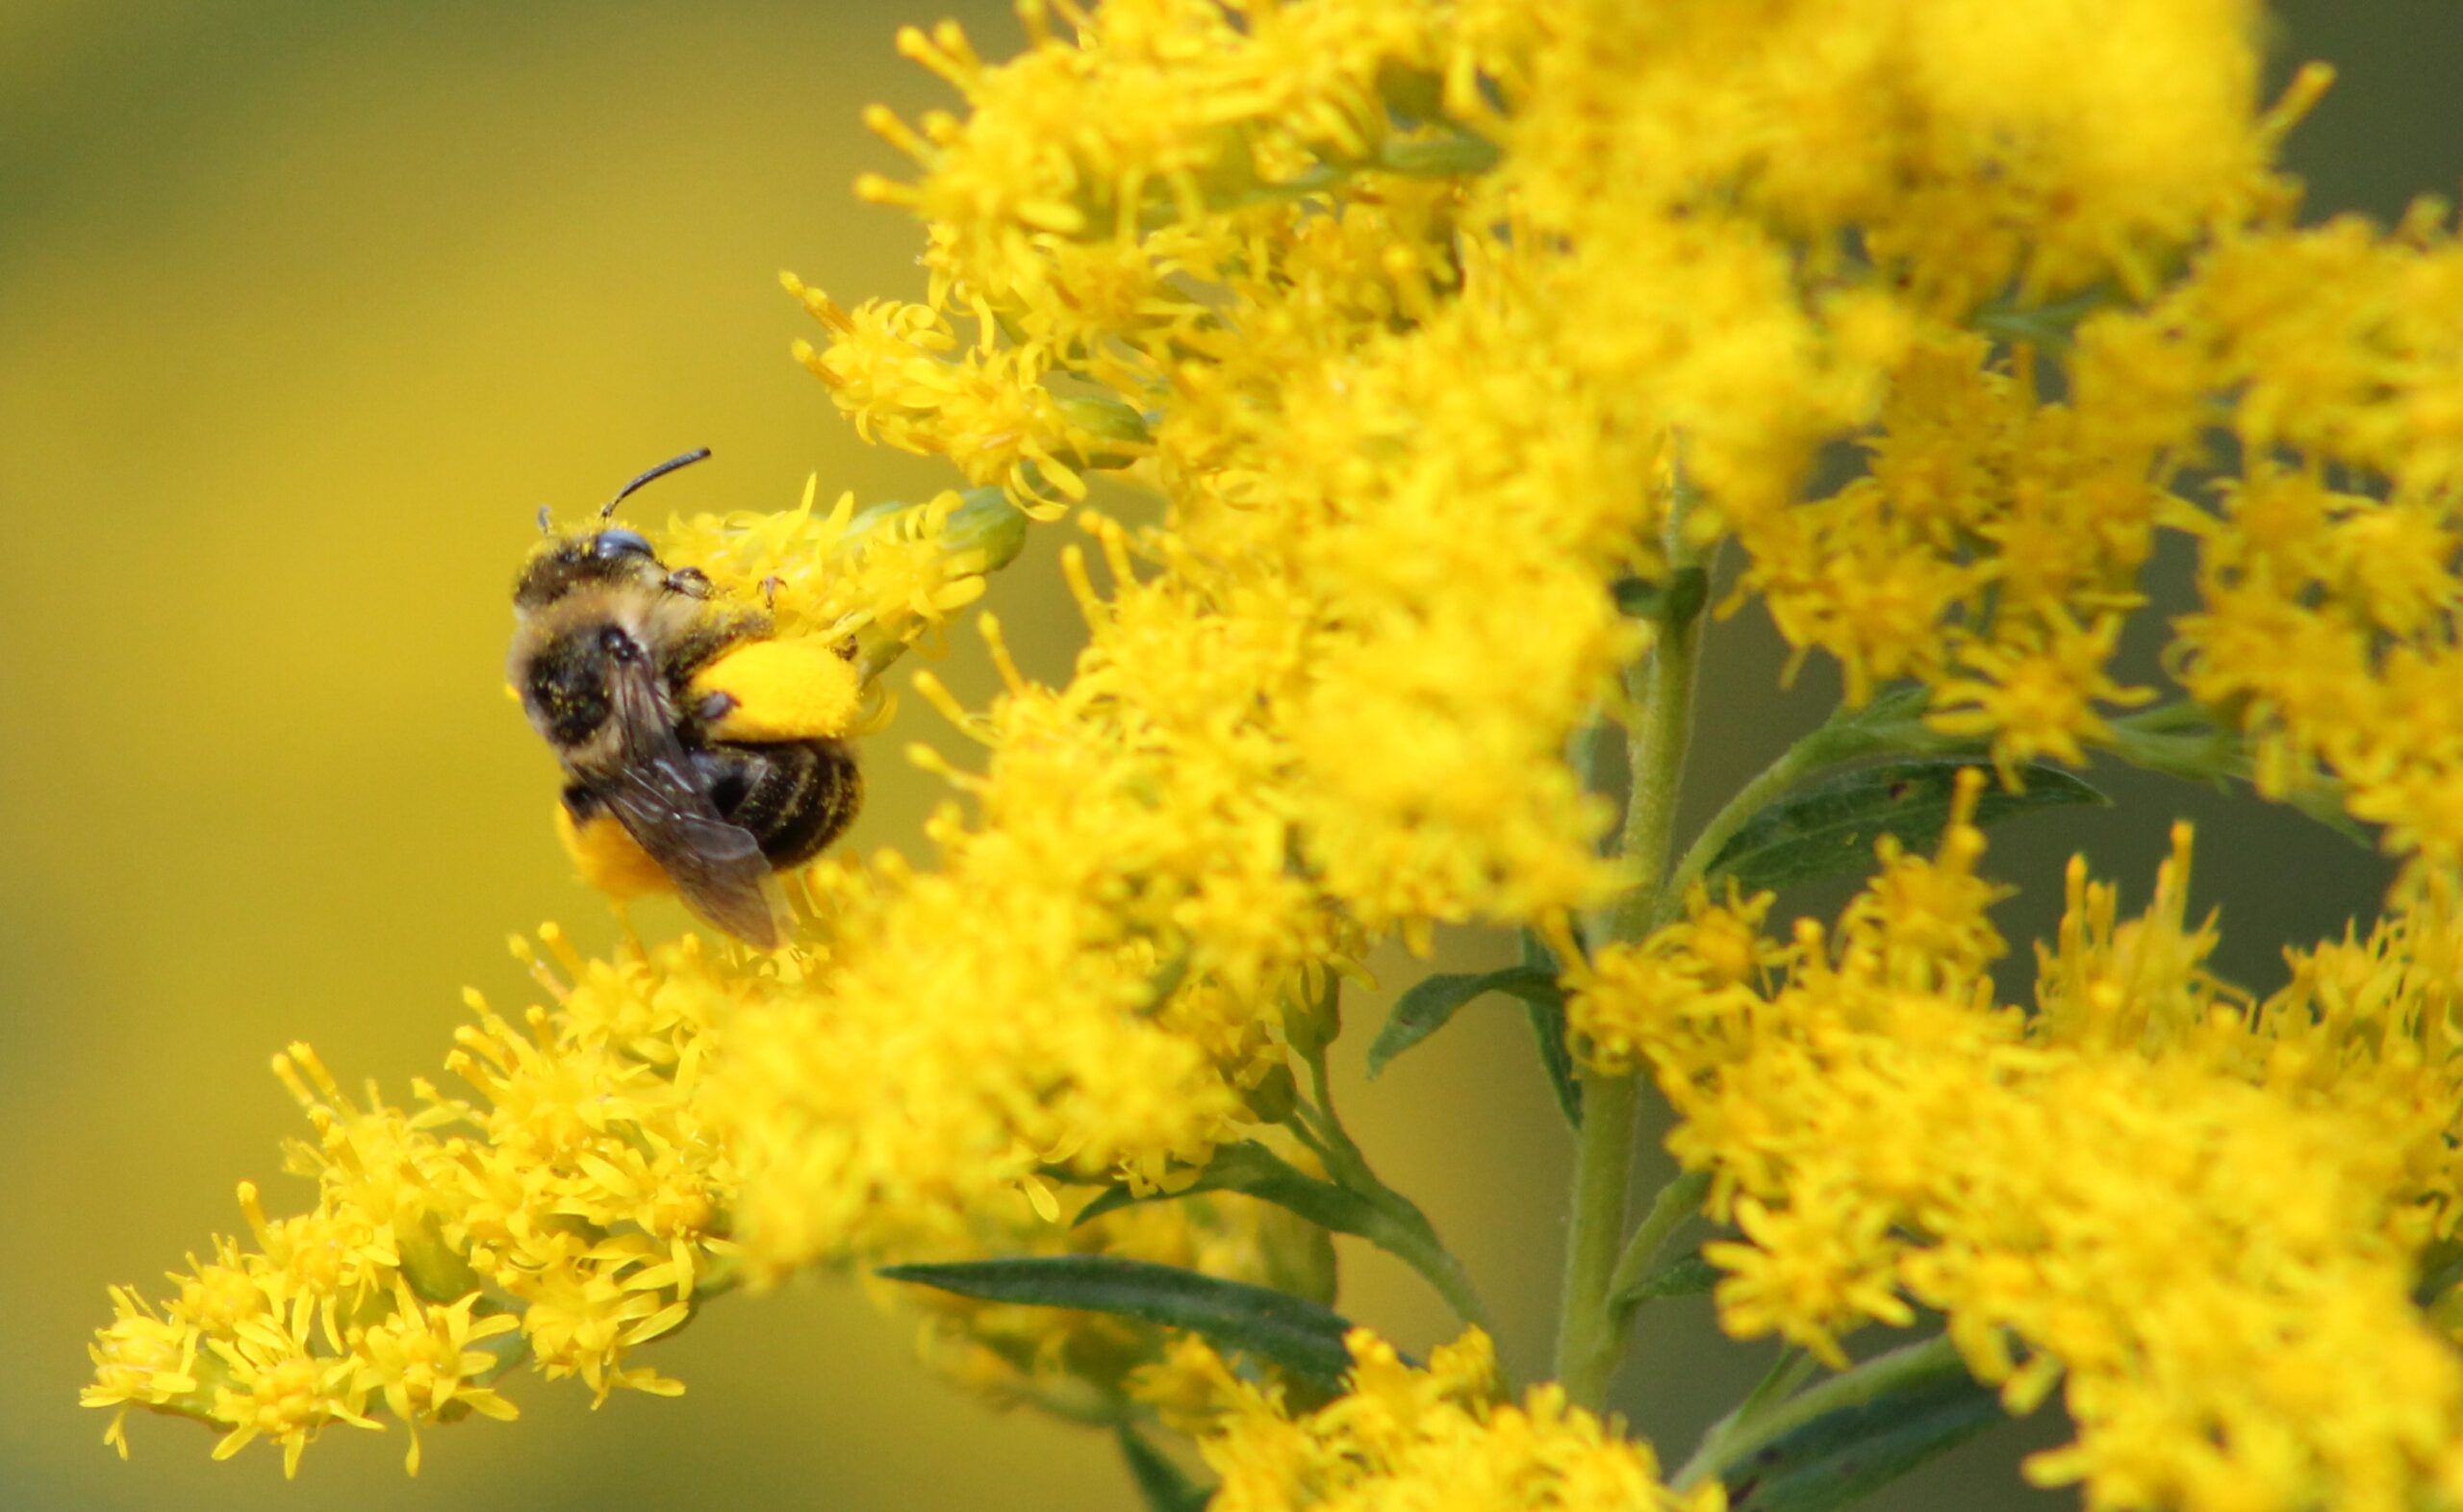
653	476
545	514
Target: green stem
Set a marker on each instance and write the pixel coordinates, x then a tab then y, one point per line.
1306	1132
1762	1421
2172	741
1786	1372
1891	723
1797	762
1664	688
1344	1159
1401	1229
1406	1235
1590	1339
2181	713
1589	1348
1678	1201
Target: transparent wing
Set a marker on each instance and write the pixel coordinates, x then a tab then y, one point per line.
653	792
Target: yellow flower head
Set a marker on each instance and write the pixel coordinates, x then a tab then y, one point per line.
1438	1436
2093	1194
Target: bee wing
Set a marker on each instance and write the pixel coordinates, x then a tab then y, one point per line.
717	866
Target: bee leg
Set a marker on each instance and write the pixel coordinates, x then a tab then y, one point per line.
770	587
690	582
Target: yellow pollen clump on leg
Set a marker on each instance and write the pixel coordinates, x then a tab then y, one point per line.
796	689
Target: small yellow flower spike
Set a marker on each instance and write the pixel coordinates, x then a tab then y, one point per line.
1443	1437
569	1213
884	577
2095	1191
142	1359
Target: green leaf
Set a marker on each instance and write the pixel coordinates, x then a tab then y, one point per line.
1251	1168
1160	1484
2438	1269
1831	826
1375	1212
1688	1275
1841	1456
1303	1338
1548	1027
1430	1002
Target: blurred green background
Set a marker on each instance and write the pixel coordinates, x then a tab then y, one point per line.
304	307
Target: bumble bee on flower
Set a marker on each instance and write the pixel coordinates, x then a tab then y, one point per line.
701	752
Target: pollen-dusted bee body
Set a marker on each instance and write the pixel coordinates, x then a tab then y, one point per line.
696	750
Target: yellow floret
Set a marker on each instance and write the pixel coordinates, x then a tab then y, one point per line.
796	689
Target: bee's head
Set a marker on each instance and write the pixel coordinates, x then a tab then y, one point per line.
614	556
610	555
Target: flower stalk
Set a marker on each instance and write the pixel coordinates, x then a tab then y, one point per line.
1590	1334
1769	1413
1394	1223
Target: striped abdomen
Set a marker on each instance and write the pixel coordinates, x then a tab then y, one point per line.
796	796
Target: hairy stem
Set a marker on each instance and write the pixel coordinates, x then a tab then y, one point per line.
1678	1201
1401	1229
1407	1237
1892	723
1766	1417
1590	1340
1588	1349
1798	761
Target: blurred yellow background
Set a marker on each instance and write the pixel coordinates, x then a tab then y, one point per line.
303	309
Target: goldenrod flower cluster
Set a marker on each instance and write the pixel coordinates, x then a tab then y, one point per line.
575	1205
566	1210
1410	294
880	580
1444	1437
2196	1212
1447	333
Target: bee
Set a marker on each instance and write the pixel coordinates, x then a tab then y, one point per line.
697	751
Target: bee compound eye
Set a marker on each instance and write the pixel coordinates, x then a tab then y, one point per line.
620	542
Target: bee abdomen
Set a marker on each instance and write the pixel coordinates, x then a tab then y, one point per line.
793	797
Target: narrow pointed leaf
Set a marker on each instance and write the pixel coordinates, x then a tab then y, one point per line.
1160	1483
1688	1275
1843	1456
1252	1168
1831	826
1435	1000
1303	1338
1548	1028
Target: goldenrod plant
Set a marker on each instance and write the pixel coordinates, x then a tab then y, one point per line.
1462	366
